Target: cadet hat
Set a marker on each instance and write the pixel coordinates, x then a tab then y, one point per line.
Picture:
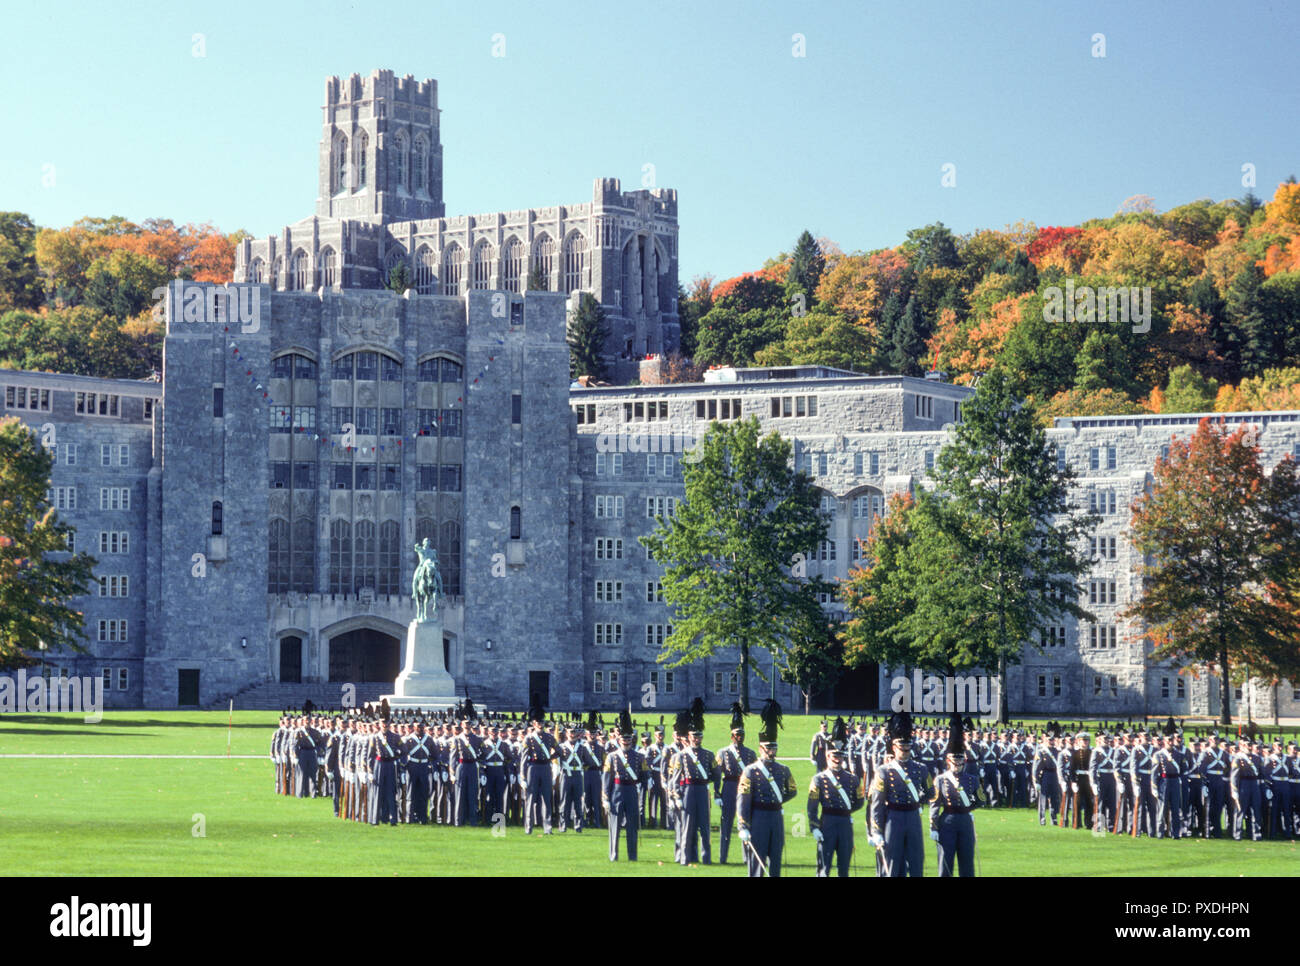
682	723
771	717
737	718
900	728
839	738
697	717
956	740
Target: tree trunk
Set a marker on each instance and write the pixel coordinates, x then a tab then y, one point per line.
1004	714
744	676
1225	715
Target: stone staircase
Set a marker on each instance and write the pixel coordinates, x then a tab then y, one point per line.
276	695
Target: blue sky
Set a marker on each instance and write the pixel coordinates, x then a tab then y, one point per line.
848	141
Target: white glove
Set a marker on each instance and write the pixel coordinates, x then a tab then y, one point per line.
934	835
482	779
1074	787
513	778
717	802
744	835
875	841
817	836
1268	793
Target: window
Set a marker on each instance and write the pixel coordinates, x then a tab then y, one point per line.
121	678
449	423
1181	687
1052	636
1102	636
784	406
1164	687
1104	548
367	418
114	498
543	261
304	476
609	548
1060	457
825	551
660	506
69	454
857	464
21	397
114	585
300	272
361	146
114	541
609	507
609	591
367	365
512	263
390	477
340	416
365	476
328	268
1102	502
277	570
654	591
280	475
453	261
424	263
822	463
586	413
419	166
613	682
216	518
609	464
449	478
402	153
1056	685
516	408
516	529
1102	457
867	507
1101	592
858	551
108	678
341	477
112	631
925	407
717	682
1042	685
929	460
390	422
828	505
609	634
598	682
97	404
1096	686
390	370
733	682
65	497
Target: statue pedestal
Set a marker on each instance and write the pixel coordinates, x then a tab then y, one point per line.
424	682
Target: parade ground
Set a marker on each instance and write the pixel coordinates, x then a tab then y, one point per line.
144	793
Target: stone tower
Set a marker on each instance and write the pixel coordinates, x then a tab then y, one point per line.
380	149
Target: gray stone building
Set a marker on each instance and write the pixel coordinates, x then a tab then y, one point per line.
254	513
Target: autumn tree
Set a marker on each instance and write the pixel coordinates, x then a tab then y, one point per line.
1221	588
38	576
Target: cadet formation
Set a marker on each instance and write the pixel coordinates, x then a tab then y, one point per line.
545	774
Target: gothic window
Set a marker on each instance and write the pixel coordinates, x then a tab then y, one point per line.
328	267
300	272
340	557
543	259
403	161
449	558
364	534
482	272
362	147
452	264
420	163
575	254
425	528
516	523
278	565
512	265
257	271
390	559
304	555
340	166
424	264
277	269
395	257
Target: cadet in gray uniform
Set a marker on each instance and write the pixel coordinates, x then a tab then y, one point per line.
834	794
764	787
956	793
732	762
901	787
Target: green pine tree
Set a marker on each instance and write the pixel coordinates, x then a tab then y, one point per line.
399	278
806	266
586	338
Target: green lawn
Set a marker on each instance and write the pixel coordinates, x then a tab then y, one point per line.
109	816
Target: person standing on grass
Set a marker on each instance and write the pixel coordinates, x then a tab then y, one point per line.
764	787
1046	780
901	788
956	793
732	762
625	772
834	794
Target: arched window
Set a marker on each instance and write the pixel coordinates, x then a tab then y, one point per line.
328	268
361	145
575	261
424	275
420	163
395	257
277	269
401	150
516	523
216	518
340	166
340	557
482	265
390	557
543	260
452	264
449	558
303	578
277	570
257	271
300	272
512	265
364	561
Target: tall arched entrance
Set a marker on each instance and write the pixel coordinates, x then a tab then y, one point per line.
365	654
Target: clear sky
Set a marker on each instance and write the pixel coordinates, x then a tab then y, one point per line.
848	140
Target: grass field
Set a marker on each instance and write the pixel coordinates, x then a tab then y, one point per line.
138	816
